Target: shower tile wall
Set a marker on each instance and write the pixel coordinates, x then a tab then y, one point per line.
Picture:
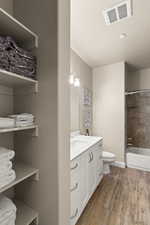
138	120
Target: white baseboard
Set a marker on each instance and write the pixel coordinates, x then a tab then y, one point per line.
119	164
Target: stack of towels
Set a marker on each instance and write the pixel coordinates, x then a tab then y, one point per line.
23	120
6	122
7	211
7	174
15	59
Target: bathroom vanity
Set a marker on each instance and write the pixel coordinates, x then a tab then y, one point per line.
86	172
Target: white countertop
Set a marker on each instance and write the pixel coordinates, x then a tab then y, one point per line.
80	143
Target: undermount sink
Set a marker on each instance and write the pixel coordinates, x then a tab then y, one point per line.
78	143
81	143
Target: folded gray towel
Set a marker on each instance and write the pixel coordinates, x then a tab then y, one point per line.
15	59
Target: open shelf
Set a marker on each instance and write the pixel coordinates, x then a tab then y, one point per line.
12	27
13	129
23	172
25	215
137	92
14	80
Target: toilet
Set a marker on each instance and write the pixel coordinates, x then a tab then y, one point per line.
108	158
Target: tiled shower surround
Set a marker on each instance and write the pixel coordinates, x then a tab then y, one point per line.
138	119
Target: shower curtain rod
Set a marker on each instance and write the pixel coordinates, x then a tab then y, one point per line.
137	91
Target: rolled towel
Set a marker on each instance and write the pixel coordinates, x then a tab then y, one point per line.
5	180
6	154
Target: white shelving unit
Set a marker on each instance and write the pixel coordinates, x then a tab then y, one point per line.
25	38
12	27
25	215
23	172
13	129
137	92
14	80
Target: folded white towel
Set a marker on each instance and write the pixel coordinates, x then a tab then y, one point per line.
5	180
6	154
24	124
6	173
7	211
6	122
5	165
23	116
25	120
9	219
7	207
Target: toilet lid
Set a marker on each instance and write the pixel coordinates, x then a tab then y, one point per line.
108	155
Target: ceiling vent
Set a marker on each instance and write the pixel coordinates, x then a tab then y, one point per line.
120	11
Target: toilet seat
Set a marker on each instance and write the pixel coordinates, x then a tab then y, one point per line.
108	156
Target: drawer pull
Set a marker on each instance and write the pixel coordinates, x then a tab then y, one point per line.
75	215
90	158
75	187
75	167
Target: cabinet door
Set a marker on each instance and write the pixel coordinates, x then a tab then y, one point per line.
79	192
91	173
95	167
84	181
98	162
75	207
99	168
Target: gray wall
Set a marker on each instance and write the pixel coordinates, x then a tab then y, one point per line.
50	151
7	5
139	79
84	72
109	107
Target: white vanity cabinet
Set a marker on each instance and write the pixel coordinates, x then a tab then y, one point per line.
78	189
95	167
86	173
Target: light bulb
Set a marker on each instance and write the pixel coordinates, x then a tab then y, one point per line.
123	36
77	82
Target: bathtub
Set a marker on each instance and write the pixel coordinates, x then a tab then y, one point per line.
138	158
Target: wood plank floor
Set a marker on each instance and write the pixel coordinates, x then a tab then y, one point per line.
122	198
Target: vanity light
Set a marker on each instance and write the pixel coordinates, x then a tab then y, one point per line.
71	79
77	82
123	36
